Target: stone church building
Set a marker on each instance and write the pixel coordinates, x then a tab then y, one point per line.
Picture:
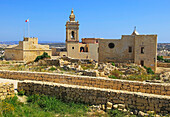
134	48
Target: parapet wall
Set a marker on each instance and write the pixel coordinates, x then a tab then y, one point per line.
100	82
6	90
91	95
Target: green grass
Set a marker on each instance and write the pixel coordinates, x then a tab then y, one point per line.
46	106
40	106
52	104
11	107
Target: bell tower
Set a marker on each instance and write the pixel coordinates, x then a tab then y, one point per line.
72	29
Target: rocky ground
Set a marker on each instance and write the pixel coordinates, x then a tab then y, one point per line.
127	71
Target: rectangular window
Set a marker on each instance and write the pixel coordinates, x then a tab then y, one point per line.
130	49
142	63
142	50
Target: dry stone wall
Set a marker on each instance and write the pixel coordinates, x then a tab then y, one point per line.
100	82
91	95
160	64
6	90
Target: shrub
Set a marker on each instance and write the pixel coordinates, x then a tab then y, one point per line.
21	93
112	76
52	69
45	55
113	63
116	73
160	58
166	61
149	70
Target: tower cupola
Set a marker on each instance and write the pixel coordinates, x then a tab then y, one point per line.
72	16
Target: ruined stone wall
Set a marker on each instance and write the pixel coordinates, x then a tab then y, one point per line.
6	90
90	95
100	82
160	64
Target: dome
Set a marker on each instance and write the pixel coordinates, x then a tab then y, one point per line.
72	16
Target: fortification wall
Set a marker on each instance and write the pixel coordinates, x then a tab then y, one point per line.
100	82
6	90
160	64
91	95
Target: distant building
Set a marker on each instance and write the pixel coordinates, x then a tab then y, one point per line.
134	48
26	51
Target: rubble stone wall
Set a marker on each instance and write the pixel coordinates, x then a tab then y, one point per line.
100	82
6	90
91	95
160	64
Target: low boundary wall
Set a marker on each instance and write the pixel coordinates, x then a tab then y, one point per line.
6	90
100	82
91	95
160	64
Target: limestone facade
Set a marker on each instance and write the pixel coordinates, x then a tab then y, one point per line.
27	50
134	48
139	49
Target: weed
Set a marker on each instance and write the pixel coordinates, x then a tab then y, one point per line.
113	63
21	92
52	69
113	77
116	73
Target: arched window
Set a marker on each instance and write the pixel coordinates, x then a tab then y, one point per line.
72	34
81	49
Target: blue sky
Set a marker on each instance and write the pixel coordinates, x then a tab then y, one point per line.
98	18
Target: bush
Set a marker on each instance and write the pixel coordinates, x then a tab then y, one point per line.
160	58
21	93
149	70
52	69
113	63
112	76
116	73
166	60
45	55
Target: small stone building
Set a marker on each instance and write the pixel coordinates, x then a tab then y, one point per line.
134	48
27	50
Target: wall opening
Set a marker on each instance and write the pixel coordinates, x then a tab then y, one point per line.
72	34
130	49
81	49
142	63
111	45
142	50
73	48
